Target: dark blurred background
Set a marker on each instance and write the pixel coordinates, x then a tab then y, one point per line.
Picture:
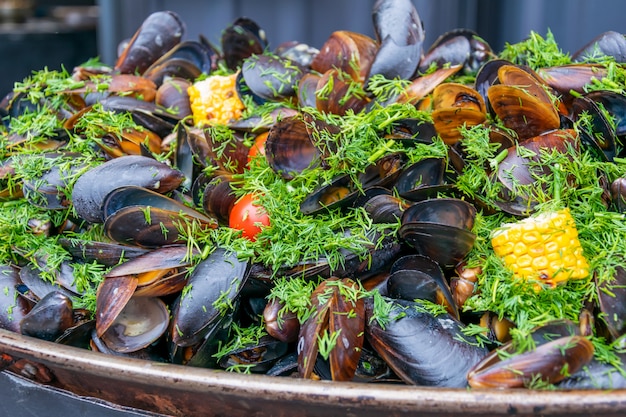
39	33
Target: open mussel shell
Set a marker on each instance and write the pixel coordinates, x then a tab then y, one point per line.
30	275
615	104
89	190
423	349
50	317
160	32
522	103
240	40
219	277
167	257
142	321
289	149
572	78
336	313
258	357
111	297
271	77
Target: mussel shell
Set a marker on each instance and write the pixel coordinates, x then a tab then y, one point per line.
89	190
454	51
50	317
445	244
30	275
614	104
611	296
219	277
596	375
12	307
148	227
289	149
167	257
600	136
442	211
105	253
422	180
129	196
271	77
157	119
419	277
546	362
609	43
381	205
172	95
159	32
401	36
422	349
186	60
50	190
112	295
258	357
350	52
566	79
240	40
422	86
216	196
298	52
341	96
487	76
141	322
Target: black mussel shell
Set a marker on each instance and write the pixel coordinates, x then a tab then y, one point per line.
186	60
270	77
401	36
289	149
160	32
423	349
611	299
258	358
381	205
443	211
89	190
240	40
105	253
423	180
219	277
445	244
600	136
50	317
13	307
609	43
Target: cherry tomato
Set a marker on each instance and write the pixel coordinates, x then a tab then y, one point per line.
258	147
248	217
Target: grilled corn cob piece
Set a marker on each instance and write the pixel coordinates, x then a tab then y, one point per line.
214	100
544	247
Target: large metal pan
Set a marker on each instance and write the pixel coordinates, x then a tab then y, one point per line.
185	391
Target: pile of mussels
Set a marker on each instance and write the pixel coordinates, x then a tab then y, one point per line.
383	169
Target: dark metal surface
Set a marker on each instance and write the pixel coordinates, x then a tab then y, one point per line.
185	391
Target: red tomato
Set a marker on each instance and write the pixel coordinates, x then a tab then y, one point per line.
258	147
248	217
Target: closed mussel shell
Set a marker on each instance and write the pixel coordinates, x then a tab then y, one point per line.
50	317
89	190
219	277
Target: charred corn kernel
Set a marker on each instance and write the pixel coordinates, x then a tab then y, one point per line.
214	100
544	247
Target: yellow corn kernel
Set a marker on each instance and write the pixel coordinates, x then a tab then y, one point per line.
544	247
214	100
